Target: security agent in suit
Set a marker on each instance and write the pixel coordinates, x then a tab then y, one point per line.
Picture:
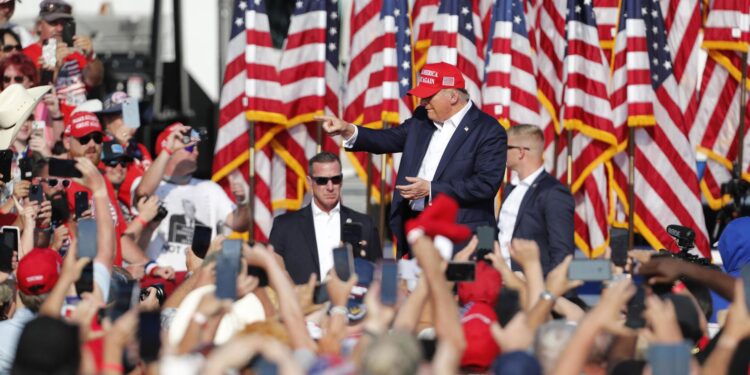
305	238
449	146
535	205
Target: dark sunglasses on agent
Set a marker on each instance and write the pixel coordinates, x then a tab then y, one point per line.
324	180
52	182
97	137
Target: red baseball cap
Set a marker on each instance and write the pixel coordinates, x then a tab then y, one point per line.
38	271
161	140
481	348
81	124
435	77
485	288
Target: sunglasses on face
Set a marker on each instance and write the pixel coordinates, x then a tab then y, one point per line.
324	180
17	79
52	182
116	162
97	137
10	47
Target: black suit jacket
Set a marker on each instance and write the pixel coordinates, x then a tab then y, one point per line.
293	237
471	168
546	216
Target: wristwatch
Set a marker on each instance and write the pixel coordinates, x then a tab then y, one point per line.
546	295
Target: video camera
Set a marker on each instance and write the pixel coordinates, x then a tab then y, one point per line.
685	238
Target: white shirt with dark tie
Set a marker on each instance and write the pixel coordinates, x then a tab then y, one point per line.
327	235
509	211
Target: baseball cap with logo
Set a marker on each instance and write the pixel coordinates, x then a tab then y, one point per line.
81	124
38	271
435	77
113	103
54	10
112	150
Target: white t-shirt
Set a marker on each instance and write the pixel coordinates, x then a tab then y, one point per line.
207	204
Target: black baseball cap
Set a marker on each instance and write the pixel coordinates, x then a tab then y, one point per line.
55	10
112	150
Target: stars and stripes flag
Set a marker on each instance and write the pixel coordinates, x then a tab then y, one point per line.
423	15
454	41
551	37
587	114
308	72
644	94
606	12
250	91
380	74
716	125
509	88
728	25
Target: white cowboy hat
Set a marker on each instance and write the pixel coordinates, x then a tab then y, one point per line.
16	105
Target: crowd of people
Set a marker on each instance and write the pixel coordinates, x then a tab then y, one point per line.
139	293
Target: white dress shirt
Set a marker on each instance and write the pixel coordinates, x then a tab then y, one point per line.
327	235
509	212
438	143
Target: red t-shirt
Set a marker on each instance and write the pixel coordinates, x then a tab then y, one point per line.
120	225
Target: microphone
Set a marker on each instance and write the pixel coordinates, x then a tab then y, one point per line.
681	233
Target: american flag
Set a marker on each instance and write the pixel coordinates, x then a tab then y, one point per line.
509	89
717	123
380	74
454	40
423	15
728	25
606	12
308	72
587	113
250	70
550	26
645	89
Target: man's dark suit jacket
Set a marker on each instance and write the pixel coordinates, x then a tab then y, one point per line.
546	216
470	170
293	237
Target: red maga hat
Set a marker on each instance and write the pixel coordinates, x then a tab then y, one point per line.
435	77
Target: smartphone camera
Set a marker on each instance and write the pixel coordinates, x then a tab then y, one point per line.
160	294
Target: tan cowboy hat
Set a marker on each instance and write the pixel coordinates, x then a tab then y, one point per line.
16	105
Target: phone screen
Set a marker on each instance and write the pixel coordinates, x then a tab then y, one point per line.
68	32
351	233
126	296
130	114
201	240
343	262
619	244
389	282
637	304
82	203
149	335
60	210
590	270
6	157
460	271
86	238
63	168
85	283
227	268
6	255
24	165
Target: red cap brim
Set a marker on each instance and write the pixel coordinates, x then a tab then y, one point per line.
424	91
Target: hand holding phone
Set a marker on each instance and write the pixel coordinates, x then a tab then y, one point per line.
590	270
227	269
201	240
63	168
6	158
36	194
131	116
81	203
460	271
486	237
389	282
68	32
343	262
86	231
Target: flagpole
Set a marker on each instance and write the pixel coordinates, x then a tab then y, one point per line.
570	157
251	177
741	132
381	213
368	184
631	186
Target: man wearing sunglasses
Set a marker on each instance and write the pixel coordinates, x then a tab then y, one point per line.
305	238
83	137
